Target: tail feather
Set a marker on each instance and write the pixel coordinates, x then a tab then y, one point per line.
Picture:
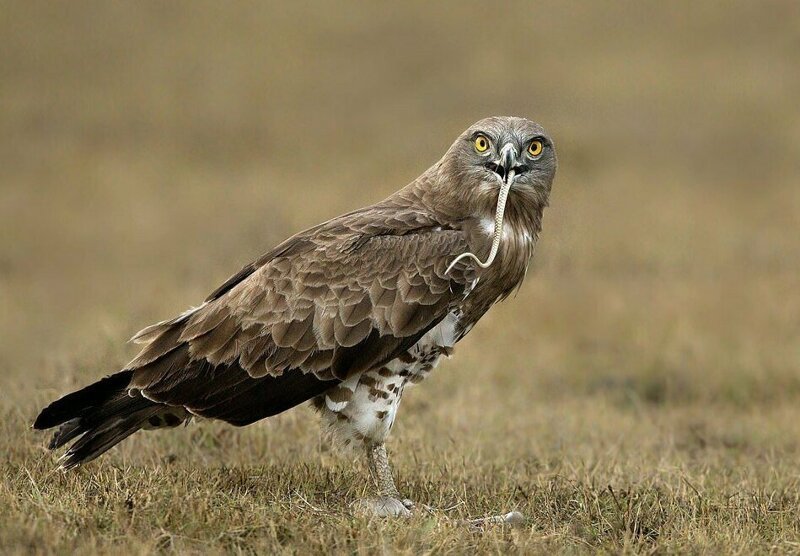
66	432
100	416
72	405
99	440
95	418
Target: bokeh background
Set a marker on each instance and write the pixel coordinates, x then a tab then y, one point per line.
149	149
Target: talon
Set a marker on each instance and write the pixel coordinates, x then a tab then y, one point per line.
514	519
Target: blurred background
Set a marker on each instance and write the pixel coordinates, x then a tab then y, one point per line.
149	149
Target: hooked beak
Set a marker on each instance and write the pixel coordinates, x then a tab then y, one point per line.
506	165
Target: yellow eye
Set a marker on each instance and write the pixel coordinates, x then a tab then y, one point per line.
481	144
535	148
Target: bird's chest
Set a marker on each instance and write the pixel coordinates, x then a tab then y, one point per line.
501	278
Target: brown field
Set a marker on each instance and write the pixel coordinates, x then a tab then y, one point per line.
640	394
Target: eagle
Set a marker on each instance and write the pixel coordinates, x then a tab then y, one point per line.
345	315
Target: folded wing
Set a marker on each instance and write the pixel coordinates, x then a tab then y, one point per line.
325	305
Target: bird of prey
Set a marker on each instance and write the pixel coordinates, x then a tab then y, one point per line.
346	314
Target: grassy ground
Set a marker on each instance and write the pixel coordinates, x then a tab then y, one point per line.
640	394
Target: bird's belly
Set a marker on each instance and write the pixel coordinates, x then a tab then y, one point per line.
371	406
363	407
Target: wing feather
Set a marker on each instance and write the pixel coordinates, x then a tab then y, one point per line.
336	300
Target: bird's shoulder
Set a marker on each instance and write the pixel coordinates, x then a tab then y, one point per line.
395	225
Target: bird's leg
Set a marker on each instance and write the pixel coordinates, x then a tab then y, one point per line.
388	501
389	496
381	471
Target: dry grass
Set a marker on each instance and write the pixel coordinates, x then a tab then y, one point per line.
641	393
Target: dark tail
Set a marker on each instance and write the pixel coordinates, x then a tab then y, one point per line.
102	414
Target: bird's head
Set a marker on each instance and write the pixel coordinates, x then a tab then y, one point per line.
501	152
496	176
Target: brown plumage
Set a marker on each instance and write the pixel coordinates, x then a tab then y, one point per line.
347	313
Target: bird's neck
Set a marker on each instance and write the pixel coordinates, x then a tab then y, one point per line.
522	224
440	200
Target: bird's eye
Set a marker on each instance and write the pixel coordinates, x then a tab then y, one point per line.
535	148
481	144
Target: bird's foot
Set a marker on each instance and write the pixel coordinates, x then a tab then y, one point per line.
514	519
384	506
